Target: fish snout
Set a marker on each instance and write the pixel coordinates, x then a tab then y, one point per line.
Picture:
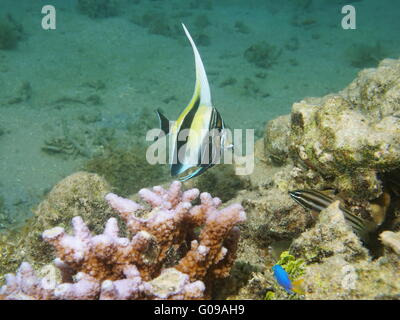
295	194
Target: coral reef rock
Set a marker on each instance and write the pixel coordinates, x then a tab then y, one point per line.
347	145
391	240
339	266
347	142
166	257
337	238
353	135
276	139
81	193
272	214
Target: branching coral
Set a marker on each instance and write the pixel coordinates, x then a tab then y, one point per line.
107	266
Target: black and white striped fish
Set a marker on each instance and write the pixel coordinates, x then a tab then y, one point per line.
318	201
207	135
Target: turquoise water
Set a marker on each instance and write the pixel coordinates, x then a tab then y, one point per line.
67	94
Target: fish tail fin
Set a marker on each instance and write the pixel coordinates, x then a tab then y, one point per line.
363	228
298	286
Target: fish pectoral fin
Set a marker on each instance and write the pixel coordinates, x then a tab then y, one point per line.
164	122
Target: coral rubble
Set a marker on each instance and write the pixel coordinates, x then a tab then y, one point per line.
165	258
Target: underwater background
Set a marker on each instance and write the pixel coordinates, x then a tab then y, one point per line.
82	97
66	95
69	95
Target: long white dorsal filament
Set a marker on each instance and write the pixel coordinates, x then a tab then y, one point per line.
201	77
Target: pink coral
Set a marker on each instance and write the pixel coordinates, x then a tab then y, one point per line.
26	286
164	259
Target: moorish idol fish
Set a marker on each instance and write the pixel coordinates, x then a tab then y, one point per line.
206	134
317	201
283	279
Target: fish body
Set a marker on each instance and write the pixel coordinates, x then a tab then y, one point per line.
318	201
201	123
282	278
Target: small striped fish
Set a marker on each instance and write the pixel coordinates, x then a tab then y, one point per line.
207	138
317	201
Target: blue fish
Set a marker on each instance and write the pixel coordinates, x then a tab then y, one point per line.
283	279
